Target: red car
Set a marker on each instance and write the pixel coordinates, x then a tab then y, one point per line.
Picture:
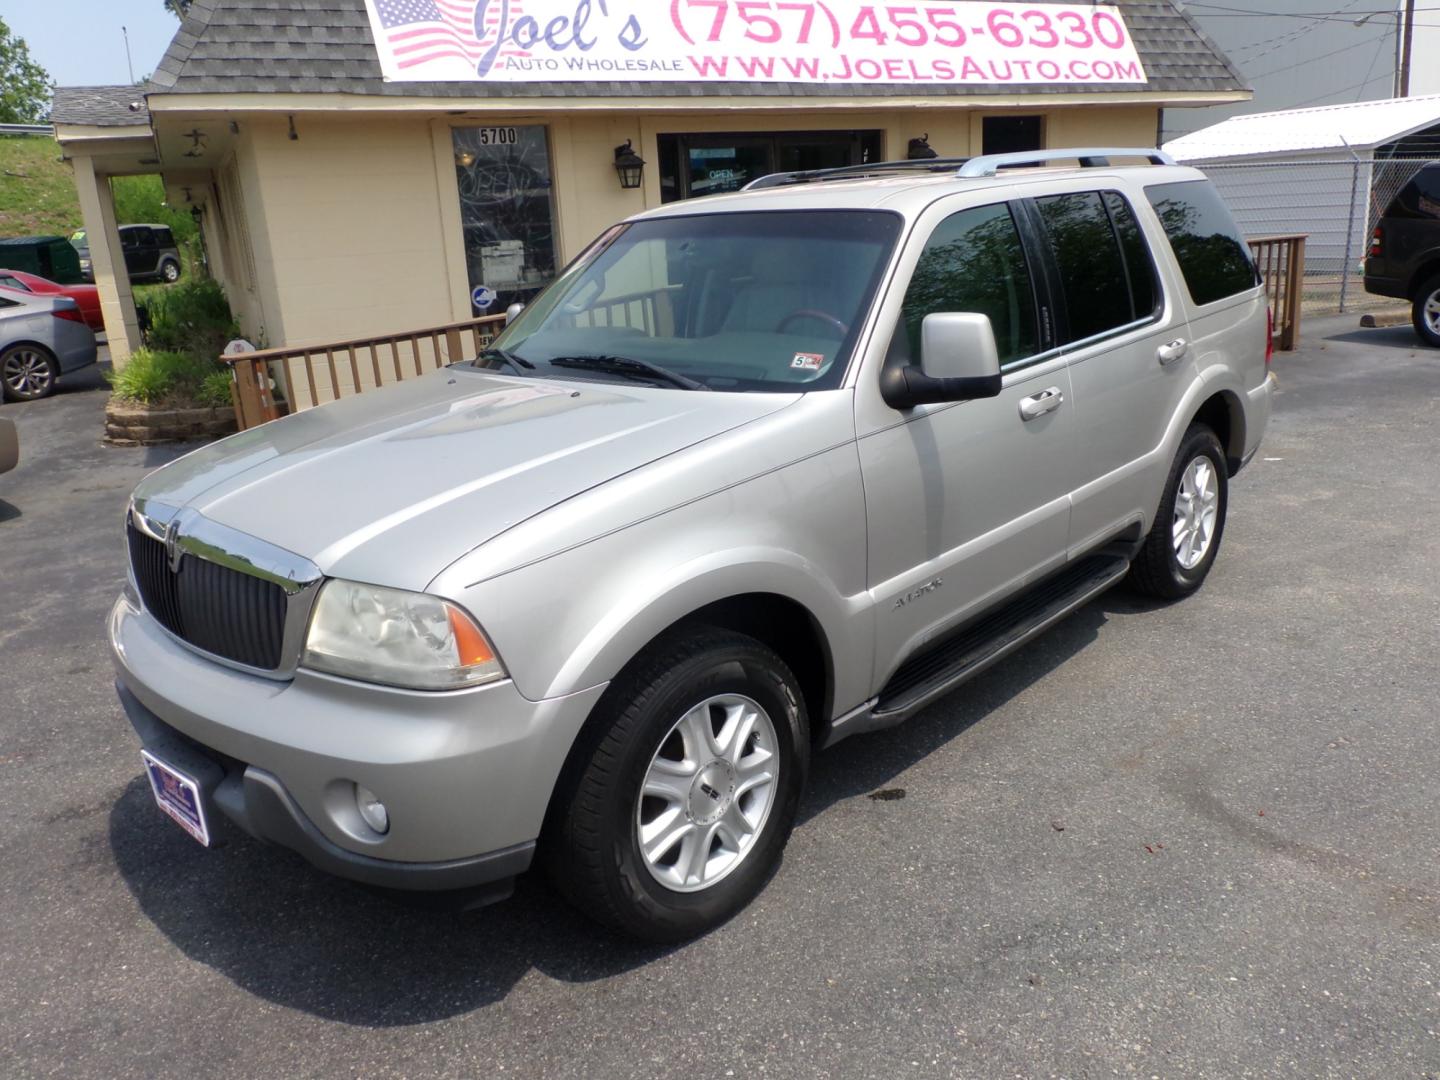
87	297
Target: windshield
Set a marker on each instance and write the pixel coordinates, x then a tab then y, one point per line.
769	301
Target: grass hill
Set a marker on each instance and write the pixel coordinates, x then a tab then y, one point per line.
37	190
37	193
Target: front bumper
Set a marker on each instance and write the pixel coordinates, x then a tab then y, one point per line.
466	776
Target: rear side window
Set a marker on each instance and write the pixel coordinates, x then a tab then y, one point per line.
1105	269
1140	272
975	263
8	282
1208	245
1420	198
164	238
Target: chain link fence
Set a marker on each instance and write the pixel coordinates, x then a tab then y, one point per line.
1336	202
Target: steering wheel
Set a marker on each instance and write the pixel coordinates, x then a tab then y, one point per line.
812	313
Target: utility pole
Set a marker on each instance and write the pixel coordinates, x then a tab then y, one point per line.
1407	48
131	66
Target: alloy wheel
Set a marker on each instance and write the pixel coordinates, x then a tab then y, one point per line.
27	373
1197	506
1432	312
707	793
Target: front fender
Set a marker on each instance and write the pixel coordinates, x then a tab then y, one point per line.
623	631
574	619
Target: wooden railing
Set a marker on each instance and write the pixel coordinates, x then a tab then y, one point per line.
1282	264
271	383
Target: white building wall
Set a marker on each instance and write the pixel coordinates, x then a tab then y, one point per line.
1425	53
1305	194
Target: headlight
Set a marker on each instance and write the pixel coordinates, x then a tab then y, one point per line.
397	638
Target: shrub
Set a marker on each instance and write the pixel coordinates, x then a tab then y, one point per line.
215	390
153	377
191	317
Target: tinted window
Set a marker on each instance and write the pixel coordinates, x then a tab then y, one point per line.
1092	269
974	263
13	283
1208	244
164	238
1420	198
4	303
1140	269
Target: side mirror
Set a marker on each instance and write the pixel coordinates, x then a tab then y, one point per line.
513	312
959	361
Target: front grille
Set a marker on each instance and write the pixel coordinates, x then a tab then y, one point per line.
227	613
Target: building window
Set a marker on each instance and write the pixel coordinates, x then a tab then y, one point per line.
1013	134
507	211
695	165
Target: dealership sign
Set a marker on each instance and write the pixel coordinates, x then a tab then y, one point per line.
846	42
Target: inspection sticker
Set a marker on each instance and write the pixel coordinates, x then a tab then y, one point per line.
808	361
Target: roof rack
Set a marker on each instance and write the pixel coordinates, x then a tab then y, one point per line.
1089	158
851	172
965	168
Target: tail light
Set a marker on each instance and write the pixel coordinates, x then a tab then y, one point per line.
1377	243
68	314
1269	336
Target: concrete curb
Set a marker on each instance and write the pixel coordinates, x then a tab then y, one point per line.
1382	319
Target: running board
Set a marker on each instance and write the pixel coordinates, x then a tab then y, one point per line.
936	671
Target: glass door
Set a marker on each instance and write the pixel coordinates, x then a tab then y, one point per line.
507	211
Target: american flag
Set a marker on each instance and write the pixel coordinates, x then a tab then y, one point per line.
420	31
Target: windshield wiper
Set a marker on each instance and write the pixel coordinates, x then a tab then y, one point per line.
625	365
519	363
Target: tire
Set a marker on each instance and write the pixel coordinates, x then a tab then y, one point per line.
1176	556
646	732
27	372
170	271
1425	311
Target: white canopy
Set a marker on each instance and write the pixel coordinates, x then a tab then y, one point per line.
1360	127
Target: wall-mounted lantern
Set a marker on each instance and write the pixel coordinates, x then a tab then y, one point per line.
630	166
921	150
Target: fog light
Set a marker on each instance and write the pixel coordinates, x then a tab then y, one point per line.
372	810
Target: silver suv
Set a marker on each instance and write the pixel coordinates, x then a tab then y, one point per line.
756	473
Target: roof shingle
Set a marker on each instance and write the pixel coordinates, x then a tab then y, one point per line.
100	106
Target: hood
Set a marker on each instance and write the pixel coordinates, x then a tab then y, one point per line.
392	487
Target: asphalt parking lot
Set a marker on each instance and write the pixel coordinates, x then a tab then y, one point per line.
1197	840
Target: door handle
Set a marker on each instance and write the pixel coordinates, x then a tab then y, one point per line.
1047	401
1173	351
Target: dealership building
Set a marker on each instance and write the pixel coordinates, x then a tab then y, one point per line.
364	167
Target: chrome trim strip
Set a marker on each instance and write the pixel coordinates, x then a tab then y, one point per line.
188	532
192	533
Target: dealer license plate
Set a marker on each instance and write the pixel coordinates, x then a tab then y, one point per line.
177	795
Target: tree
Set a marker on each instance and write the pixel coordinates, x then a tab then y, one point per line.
24	85
178	8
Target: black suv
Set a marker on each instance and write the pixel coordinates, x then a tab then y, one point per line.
1405	251
150	253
